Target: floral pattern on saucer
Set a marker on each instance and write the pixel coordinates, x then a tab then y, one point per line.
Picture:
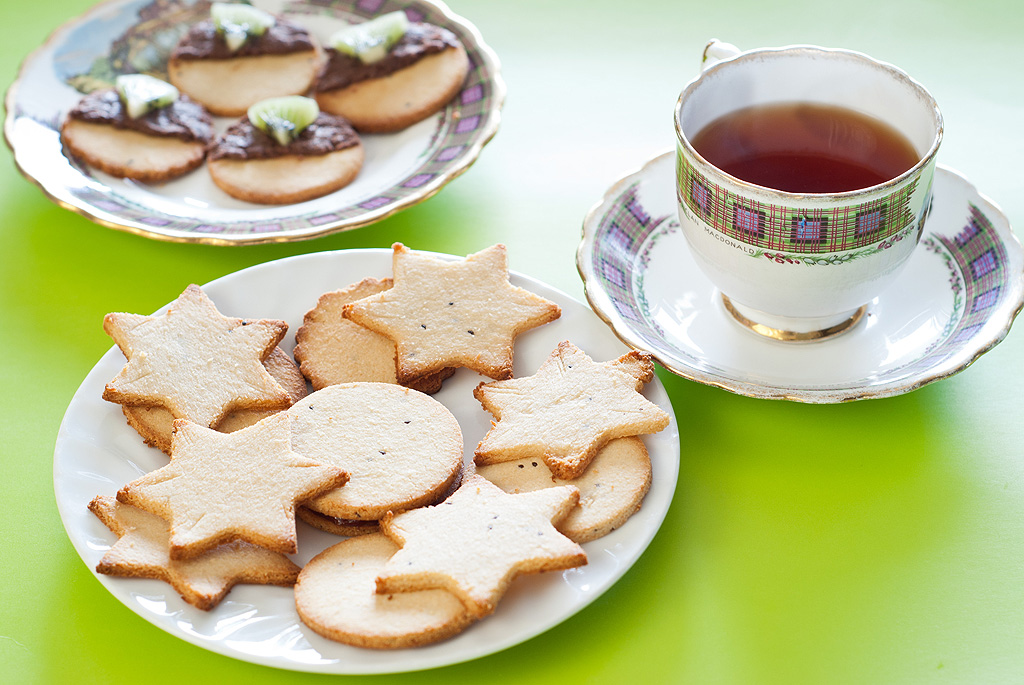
956	299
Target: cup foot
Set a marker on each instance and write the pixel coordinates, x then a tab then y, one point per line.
789	329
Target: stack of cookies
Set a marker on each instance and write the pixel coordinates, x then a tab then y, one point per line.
432	544
574	422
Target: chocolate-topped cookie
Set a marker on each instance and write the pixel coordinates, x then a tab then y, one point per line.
143	130
387	73
284	151
242	55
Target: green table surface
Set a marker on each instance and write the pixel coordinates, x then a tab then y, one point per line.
875	542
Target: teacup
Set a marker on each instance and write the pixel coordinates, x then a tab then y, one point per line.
802	265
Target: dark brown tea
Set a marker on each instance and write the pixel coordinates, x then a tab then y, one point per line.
802	147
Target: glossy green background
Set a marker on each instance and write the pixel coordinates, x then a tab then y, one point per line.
875	542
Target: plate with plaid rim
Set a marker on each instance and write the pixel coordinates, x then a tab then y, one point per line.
127	36
955	300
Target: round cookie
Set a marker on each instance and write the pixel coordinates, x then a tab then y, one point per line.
401	448
336	596
249	165
154	423
156	147
349	528
130	154
283	61
611	489
336	526
287	179
391	99
331	349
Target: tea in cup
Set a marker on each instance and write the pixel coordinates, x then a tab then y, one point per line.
803	181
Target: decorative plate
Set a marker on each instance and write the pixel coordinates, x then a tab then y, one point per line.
126	36
955	300
97	453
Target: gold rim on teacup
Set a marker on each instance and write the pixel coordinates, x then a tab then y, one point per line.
793	336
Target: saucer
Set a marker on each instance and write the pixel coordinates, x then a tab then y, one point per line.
955	300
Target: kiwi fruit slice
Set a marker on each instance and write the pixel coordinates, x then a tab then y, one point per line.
284	118
141	94
238	22
371	40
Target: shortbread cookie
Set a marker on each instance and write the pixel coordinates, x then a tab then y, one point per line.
568	410
611	489
158	146
282	61
221	487
336	526
401	448
477	541
351	527
336	596
141	551
331	349
250	165
445	314
154	424
415	79
194	361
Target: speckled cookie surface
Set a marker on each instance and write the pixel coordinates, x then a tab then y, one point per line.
568	410
477	541
331	349
400	447
220	487
611	489
452	313
154	424
142	551
194	361
336	596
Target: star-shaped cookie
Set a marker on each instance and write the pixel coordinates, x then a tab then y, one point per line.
193	360
141	551
445	314
331	349
477	541
154	424
220	487
568	410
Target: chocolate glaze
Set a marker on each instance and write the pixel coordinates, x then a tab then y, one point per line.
419	41
327	133
203	42
184	118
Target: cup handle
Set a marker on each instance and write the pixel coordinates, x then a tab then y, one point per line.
716	51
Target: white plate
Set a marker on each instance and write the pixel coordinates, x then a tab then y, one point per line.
400	169
97	453
954	301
